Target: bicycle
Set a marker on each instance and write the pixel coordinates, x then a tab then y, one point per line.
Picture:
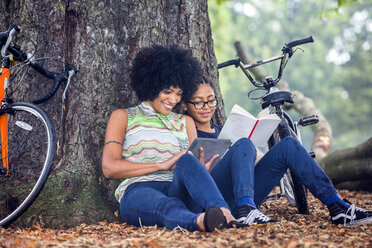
274	99
28	139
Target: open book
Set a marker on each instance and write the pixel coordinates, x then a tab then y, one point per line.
240	123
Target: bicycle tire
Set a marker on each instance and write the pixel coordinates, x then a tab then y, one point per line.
296	192
300	195
32	146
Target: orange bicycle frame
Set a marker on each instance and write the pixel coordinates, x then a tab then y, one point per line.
4	79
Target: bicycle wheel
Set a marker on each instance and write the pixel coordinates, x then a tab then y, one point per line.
31	145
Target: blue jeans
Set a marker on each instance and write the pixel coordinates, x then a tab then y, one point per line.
236	175
172	204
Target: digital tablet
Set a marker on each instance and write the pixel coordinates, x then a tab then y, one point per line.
211	147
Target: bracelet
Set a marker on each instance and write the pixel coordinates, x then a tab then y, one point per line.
112	141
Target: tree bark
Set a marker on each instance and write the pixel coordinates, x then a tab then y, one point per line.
101	38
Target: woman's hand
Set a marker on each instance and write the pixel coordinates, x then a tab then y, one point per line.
208	164
170	164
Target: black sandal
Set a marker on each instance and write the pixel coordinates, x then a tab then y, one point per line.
213	219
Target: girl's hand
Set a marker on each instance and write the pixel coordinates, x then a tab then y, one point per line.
208	164
170	164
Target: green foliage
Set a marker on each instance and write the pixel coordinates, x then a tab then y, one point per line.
334	70
341	3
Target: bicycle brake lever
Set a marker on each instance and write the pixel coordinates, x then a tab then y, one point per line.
71	73
298	48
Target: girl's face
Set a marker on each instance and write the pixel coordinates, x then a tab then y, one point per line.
166	100
204	95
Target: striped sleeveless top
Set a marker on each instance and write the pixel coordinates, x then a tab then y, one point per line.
152	137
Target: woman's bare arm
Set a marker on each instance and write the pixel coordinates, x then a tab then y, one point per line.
113	165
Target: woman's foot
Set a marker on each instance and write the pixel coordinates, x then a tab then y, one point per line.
218	218
228	215
210	220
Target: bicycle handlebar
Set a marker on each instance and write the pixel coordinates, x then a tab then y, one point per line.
235	62
57	77
300	42
19	55
6	37
268	82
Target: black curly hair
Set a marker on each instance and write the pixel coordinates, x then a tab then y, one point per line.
158	68
204	80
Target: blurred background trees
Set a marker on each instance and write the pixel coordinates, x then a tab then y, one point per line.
333	71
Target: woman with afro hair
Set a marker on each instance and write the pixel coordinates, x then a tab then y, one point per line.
146	146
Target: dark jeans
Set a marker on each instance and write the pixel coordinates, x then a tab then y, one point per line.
172	204
193	189
236	176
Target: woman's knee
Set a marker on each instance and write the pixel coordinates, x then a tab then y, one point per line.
142	204
187	161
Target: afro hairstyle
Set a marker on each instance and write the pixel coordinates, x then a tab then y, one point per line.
158	68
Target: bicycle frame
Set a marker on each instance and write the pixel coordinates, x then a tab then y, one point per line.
4	82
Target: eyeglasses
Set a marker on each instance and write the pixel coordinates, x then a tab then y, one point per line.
201	104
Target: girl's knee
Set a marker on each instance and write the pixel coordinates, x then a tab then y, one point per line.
245	144
290	143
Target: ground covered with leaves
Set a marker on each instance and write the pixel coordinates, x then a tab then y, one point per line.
292	230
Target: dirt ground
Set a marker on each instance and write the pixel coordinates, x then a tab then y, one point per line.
292	230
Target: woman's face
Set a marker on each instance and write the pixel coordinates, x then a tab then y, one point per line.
166	100
203	94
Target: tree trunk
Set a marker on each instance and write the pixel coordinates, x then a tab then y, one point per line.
101	38
350	168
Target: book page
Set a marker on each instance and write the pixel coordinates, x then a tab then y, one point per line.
239	110
263	131
237	126
241	124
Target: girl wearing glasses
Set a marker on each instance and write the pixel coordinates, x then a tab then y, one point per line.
245	186
145	146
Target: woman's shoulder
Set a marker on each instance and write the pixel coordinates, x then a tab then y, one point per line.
119	114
